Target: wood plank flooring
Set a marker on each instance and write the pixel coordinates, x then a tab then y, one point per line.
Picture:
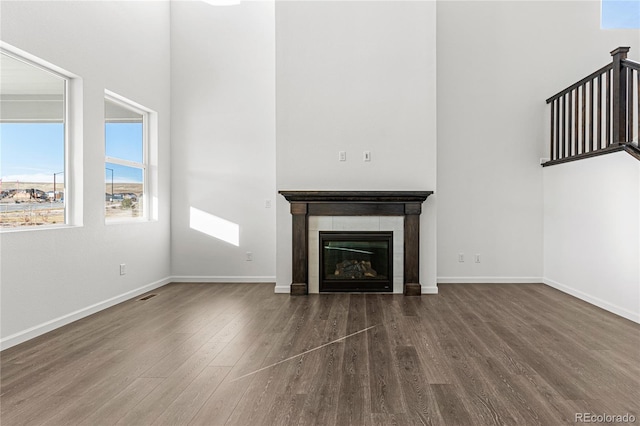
229	354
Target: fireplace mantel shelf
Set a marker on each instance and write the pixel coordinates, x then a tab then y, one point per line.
356	196
355	203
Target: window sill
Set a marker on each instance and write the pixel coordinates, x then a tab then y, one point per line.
125	221
37	228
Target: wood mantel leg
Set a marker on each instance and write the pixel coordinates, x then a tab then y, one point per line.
412	285
300	247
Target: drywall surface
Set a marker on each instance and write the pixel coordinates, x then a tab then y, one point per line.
51	277
497	64
355	77
223	141
591	231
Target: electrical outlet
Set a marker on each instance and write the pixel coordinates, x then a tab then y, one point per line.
267	204
461	257
249	256
123	268
342	155
367	156
477	258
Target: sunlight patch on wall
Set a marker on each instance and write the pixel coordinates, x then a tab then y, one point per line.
214	226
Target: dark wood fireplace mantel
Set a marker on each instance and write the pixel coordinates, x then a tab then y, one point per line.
356	203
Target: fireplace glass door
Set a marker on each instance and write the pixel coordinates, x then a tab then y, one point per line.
356	261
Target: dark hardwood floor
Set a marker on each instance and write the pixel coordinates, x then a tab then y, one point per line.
214	354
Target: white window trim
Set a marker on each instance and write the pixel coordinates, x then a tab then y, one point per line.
73	155
149	141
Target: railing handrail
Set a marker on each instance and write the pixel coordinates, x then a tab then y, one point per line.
598	114
625	62
631	64
581	82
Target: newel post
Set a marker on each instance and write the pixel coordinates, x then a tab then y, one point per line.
619	95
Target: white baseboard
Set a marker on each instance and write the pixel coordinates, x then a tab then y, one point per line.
429	290
35	331
282	289
625	313
221	279
489	280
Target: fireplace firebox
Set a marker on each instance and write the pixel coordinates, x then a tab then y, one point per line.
356	261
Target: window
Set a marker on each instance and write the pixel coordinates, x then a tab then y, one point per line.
33	144
126	164
620	14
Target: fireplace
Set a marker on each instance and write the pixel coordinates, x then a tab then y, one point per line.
404	204
356	261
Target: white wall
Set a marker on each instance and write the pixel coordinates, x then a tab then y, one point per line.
51	277
223	138
356	76
497	63
592	233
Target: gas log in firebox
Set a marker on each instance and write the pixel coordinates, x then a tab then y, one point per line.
356	261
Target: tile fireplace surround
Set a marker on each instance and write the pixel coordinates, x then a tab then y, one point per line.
406	204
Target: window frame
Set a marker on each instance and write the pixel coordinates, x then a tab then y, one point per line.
146	114
71	124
